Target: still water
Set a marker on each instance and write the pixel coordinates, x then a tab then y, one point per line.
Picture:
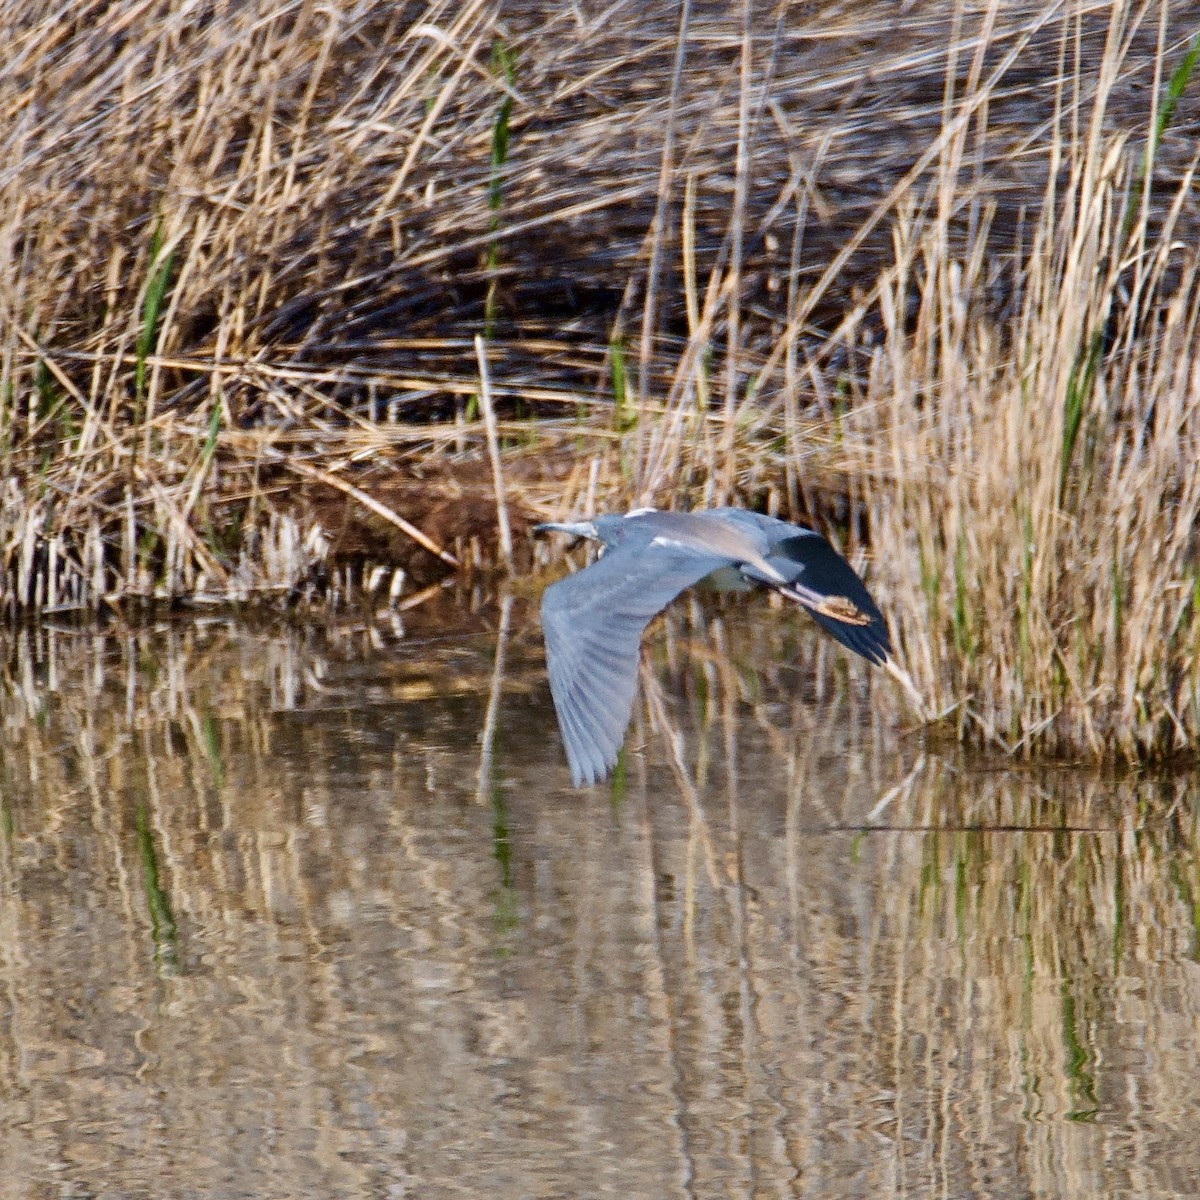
311	910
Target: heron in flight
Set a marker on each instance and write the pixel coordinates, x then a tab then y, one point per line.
593	620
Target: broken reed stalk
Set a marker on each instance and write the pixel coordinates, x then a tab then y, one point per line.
493	448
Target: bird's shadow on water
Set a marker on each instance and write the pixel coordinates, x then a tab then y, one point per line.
741	703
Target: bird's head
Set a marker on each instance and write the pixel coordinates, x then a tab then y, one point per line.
606	528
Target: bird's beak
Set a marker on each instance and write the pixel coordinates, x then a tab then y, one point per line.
577	529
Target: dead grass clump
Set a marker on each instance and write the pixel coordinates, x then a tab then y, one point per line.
1026	470
1033	490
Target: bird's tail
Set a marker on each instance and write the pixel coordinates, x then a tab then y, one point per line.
819	578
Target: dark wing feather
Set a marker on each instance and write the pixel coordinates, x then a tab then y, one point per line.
593	622
810	560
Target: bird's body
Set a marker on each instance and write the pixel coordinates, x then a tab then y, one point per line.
593	620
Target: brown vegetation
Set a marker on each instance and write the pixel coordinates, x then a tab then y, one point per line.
927	273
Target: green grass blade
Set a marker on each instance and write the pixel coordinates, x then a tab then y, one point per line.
502	66
1079	390
163	930
214	430
623	418
1179	80
152	304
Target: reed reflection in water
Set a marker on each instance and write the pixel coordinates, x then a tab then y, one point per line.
276	923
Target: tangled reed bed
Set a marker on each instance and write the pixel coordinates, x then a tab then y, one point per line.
927	273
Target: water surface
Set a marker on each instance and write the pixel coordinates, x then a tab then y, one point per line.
301	910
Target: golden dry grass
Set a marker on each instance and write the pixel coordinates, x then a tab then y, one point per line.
927	274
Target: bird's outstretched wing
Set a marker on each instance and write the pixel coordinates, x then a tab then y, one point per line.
593	622
826	584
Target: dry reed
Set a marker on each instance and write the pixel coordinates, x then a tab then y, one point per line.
929	275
